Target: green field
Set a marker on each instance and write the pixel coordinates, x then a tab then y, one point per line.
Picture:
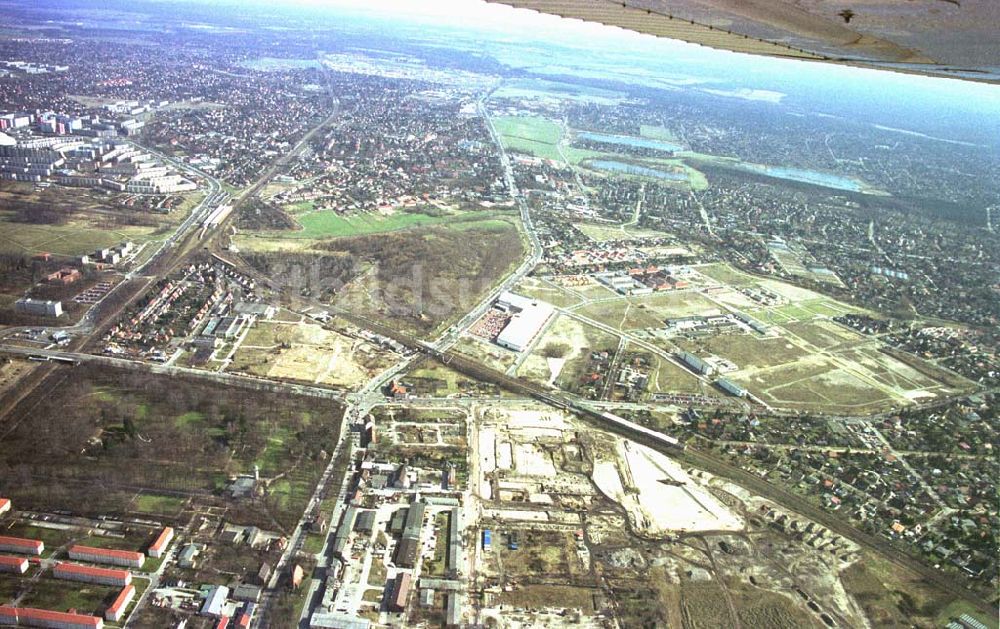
323	224
657	133
158	503
74	238
539	137
59	595
275	64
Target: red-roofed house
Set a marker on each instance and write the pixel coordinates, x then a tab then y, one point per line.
88	574
21	545
106	555
223	622
157	548
17	565
117	609
31	617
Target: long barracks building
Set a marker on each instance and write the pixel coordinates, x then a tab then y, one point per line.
128	558
31	617
88	574
21	545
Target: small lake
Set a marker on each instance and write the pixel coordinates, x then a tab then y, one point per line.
813	177
635	169
629	140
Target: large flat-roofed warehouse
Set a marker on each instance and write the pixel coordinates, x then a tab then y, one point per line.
529	318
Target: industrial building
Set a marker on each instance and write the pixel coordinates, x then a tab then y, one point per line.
31	617
454	540
731	387
187	556
17	565
409	546
528	318
366	521
754	324
343	533
400	592
215	601
695	363
454	615
247	592
104	555
38	307
158	547
245	617
21	545
116	610
88	574
337	620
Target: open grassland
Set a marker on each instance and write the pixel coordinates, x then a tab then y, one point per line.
604	233
541	596
669	377
647	311
538	136
548	292
658	133
318	224
176	438
894	597
61	595
621	314
73	221
490	354
817	383
724	273
530	134
417	280
75	237
580	339
157	504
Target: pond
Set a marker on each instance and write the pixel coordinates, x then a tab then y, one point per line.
629	140
636	169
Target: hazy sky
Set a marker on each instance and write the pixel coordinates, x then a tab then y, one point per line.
945	97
